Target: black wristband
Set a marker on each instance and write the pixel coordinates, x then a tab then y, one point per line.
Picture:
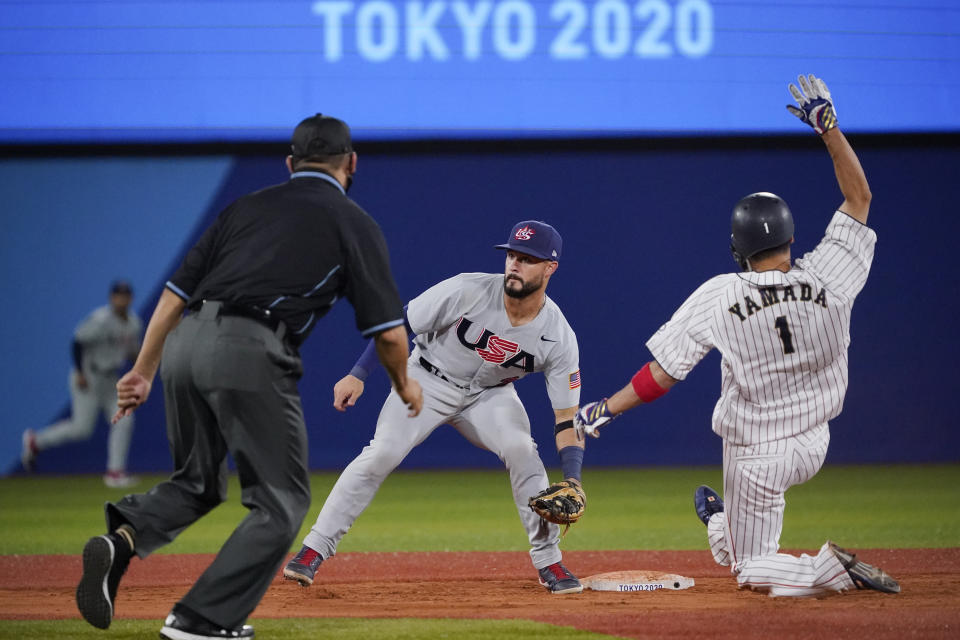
561	426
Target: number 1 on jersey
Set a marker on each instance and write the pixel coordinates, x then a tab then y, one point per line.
783	328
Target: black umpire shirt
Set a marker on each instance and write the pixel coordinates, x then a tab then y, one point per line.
294	249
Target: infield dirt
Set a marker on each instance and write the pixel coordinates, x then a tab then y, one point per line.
504	585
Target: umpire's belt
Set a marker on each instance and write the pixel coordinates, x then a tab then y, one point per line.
232	309
435	371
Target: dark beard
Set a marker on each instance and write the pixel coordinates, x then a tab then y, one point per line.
525	289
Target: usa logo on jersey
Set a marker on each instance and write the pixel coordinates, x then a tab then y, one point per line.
494	349
524	234
575	379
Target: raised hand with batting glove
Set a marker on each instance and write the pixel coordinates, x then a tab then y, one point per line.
815	104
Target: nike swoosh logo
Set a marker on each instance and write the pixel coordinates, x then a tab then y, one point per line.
546	339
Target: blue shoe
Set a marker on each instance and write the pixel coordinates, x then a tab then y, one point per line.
558	579
303	566
707	502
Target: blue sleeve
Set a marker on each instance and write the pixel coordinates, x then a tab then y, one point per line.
368	362
571	462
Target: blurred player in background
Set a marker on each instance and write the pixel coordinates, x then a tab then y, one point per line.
104	341
783	330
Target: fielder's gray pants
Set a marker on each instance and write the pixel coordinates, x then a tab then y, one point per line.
230	384
494	420
99	396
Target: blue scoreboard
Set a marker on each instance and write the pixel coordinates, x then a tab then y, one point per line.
161	71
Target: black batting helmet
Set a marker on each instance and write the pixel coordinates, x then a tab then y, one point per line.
760	221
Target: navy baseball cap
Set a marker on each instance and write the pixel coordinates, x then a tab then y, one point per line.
321	135
121	286
534	238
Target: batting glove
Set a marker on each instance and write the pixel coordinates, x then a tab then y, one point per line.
816	107
590	417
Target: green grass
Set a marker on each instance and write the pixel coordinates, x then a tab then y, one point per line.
638	508
864	506
311	629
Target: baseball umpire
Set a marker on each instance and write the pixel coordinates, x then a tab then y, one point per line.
783	331
476	333
255	284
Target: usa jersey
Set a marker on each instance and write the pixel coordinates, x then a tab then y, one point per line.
108	340
783	337
462	328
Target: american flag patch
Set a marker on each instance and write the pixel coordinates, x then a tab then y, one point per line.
575	379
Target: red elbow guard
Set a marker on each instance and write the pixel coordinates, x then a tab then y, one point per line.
645	386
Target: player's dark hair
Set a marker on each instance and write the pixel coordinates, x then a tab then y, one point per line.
769	253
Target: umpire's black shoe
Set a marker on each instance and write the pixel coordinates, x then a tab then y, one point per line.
865	576
105	559
184	624
707	502
558	579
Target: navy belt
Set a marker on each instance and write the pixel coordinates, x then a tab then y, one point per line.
436	371
103	372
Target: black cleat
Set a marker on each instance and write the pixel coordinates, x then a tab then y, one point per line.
183	624
105	560
865	576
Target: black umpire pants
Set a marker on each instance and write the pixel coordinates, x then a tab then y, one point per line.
230	384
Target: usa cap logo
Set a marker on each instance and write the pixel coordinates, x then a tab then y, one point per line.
524	234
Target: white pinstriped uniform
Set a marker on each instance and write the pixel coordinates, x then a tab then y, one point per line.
463	330
784	339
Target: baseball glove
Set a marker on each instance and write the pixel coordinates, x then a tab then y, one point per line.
560	503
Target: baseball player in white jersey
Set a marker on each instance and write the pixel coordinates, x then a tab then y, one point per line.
783	331
475	334
105	339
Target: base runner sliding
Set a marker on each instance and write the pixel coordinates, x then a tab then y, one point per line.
783	330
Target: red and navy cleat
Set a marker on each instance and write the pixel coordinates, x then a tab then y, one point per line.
303	566
558	579
29	450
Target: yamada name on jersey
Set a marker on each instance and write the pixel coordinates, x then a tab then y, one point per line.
775	295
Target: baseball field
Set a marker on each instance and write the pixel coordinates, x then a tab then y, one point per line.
441	554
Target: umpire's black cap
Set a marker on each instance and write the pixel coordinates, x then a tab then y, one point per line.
320	135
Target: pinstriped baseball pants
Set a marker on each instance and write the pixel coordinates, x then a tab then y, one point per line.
746	536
